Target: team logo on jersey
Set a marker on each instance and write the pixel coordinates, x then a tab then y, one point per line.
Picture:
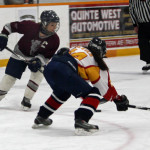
34	46
43	45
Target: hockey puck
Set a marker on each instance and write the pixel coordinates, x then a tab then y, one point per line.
98	110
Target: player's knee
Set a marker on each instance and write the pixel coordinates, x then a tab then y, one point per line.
62	96
95	90
36	77
95	93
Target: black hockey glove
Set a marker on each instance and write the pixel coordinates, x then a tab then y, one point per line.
121	103
3	41
34	64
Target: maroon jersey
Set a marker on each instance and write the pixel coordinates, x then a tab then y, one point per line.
30	44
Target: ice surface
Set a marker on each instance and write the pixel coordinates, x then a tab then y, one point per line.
118	130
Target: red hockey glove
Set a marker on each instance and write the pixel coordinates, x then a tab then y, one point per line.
121	103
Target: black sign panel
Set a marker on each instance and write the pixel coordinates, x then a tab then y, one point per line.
100	21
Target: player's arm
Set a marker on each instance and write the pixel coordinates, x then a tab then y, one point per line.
109	92
18	27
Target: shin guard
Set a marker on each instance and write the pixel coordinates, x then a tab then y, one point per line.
88	105
6	84
33	84
51	105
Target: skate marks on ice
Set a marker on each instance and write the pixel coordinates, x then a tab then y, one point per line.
118	136
113	134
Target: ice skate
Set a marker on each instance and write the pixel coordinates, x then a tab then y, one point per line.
39	121
83	128
26	105
146	68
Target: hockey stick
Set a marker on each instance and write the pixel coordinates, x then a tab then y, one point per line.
131	106
139	107
20	57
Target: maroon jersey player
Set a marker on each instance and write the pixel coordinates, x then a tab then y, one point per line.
37	45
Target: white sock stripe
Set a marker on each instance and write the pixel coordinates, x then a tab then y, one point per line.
97	95
50	109
32	85
89	108
57	98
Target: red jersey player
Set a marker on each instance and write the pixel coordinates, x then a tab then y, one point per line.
37	45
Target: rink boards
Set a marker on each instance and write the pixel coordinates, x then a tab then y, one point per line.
79	22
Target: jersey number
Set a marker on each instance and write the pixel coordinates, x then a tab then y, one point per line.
80	55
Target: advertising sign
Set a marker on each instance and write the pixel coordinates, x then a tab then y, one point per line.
112	23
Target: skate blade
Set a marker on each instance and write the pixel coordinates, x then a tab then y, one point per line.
145	71
83	132
24	108
35	126
39	126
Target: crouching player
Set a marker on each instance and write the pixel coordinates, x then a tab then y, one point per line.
66	74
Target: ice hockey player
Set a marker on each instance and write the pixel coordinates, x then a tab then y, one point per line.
79	64
37	45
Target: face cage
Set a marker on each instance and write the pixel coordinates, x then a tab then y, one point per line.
49	33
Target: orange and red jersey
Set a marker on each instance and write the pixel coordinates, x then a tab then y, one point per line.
88	69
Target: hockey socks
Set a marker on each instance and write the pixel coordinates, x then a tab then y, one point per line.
88	105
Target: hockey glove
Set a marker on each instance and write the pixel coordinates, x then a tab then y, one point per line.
3	41
121	103
34	64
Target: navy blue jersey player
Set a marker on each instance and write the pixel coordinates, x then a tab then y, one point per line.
66	74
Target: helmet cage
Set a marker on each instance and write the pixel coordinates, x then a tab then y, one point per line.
47	17
45	31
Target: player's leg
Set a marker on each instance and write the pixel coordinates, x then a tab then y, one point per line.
31	88
56	79
68	80
56	99
144	45
13	71
85	112
78	87
6	84
91	99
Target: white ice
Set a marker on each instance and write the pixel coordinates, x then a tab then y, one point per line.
128	130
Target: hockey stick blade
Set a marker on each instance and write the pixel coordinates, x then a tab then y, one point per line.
139	107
